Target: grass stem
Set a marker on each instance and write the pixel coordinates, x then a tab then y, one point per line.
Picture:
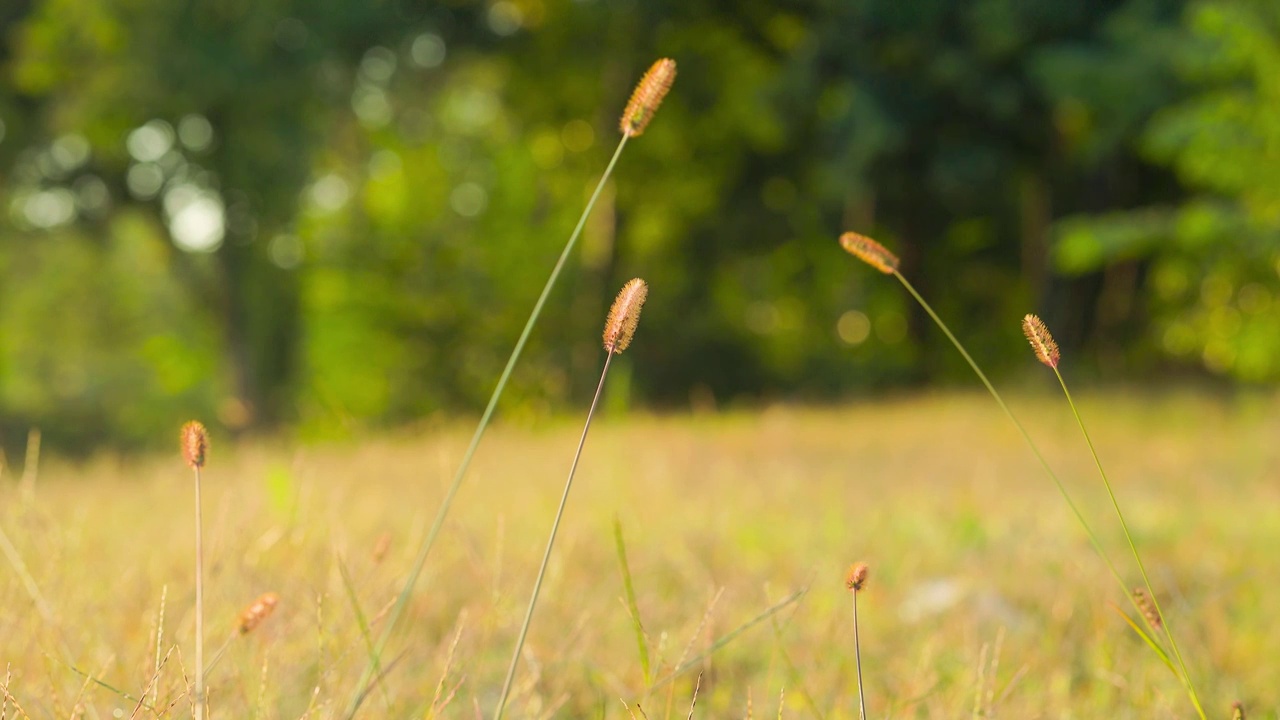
546	555
857	658
200	708
1184	676
425	550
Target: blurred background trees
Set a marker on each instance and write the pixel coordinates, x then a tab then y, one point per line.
335	215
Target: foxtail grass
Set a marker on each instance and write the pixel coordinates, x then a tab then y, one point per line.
640	110
854	581
195	449
883	260
618	330
1144	599
880	258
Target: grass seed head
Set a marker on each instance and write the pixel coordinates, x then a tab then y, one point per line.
624	316
1237	710
856	577
258	611
1041	340
195	444
1148	608
870	252
647	97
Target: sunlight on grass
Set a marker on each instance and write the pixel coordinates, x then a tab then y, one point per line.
936	492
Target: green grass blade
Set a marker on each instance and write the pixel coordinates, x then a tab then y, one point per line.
1185	676
1146	637
362	621
1035	449
642	642
420	561
725	640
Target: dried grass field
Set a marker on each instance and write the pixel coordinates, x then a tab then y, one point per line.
985	598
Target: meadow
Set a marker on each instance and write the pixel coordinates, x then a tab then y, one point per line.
984	599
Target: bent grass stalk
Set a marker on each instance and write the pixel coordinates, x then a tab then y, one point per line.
880	258
644	102
1046	350
195	447
618	329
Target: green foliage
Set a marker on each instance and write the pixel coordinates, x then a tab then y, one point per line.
357	202
1214	258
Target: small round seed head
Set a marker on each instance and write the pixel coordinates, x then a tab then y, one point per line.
258	611
1041	341
870	252
1148	608
647	97
195	444
856	577
624	316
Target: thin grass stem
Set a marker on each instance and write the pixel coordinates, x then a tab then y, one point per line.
1062	490
200	707
420	560
546	555
1137	558
857	657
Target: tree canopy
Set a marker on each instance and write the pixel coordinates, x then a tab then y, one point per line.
335	214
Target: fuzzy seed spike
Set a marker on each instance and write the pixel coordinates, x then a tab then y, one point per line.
856	577
624	315
1148	608
1041	341
647	97
258	611
195	444
870	252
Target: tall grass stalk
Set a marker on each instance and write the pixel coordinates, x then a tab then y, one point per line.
854	582
1046	350
880	258
195	448
645	100
619	328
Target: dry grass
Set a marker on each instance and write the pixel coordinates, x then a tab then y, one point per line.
969	541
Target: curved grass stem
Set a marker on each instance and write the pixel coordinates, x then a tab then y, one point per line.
1062	489
1184	676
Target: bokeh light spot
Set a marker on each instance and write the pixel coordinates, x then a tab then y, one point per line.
150	142
330	192
468	199
427	50
853	327
195	132
505	17
577	135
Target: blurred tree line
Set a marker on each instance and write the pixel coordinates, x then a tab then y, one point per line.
335	214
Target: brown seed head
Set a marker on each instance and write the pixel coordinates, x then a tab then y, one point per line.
1041	340
647	97
258	611
195	444
624	315
1237	710
870	252
1148	608
857	576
